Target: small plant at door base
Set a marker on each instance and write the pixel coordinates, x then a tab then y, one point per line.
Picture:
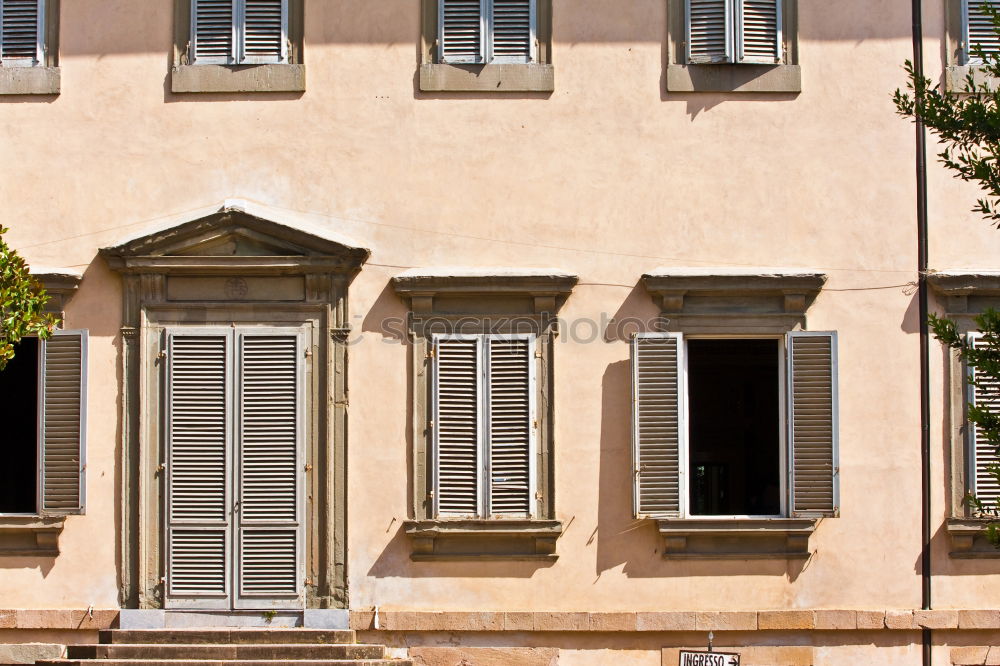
967	123
22	303
269	615
984	357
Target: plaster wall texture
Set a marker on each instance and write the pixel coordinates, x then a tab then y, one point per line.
607	177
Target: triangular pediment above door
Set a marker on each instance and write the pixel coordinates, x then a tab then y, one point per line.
240	237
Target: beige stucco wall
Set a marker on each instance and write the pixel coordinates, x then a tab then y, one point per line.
607	177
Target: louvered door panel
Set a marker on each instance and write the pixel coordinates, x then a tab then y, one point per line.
812	416
198	406
269	435
264	31
984	393
461	28
709	31
63	422
213	31
513	30
979	31
759	31
20	31
457	398
511	412
657	424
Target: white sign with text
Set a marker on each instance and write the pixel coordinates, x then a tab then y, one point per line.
708	659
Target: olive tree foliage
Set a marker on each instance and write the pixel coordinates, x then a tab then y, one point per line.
22	303
967	125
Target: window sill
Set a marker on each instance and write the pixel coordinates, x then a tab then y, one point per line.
487	78
968	539
29	80
735	78
22	536
444	540
237	79
955	75
736	539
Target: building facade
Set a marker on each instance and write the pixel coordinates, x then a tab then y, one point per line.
512	331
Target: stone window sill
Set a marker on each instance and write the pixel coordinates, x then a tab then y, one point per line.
968	539
736	539
444	540
29	80
238	79
30	535
487	78
735	78
955	76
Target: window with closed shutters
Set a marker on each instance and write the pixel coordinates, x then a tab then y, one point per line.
733	31
487	31
978	32
239	32
22	33
484	426
984	393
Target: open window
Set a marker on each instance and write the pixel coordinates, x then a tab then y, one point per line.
46	391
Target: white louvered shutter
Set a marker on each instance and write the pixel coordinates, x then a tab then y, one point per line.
513	32
462	31
264	31
199	372
758	31
979	29
983	484
658	425
63	422
268	440
709	31
458	396
213	31
22	30
812	421
511	425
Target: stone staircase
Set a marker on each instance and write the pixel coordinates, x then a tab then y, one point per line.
227	647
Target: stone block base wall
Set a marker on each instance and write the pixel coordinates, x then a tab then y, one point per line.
825	637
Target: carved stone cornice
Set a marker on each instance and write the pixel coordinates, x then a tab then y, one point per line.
60	284
538	289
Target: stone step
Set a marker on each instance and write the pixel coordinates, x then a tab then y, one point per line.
225	662
227	636
260	651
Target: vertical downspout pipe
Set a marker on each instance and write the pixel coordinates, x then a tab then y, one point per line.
925	417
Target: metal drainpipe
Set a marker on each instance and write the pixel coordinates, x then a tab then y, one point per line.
925	433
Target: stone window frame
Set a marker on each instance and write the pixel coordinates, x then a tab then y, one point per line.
956	67
38	534
963	295
480	302
734	77
275	77
148	266
45	77
737	303
435	76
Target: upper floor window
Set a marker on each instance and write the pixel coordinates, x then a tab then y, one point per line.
978	31
239	32
487	31
22	37
734	31
982	392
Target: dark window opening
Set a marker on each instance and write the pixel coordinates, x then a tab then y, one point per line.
734	438
19	436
